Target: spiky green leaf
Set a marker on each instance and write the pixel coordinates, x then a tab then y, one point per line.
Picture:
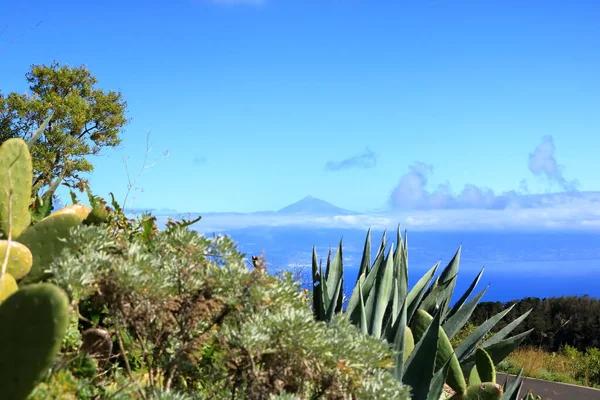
468	345
465	296
502	333
511	391
365	262
383	290
420	365
456	322
416	293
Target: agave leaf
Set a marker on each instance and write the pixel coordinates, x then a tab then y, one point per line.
368	282
420	365
398	338
337	295
315	265
328	265
511	392
363	325
468	345
416	293
401	266
392	310
465	296
498	351
318	305
43	204
437	383
379	260
335	277
455	323
39	131
395	302
353	315
502	333
53	186
370	309
383	290
366	257
449	275
452	268
433	286
436	296
325	300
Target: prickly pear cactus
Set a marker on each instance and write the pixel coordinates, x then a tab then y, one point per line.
445	351
409	342
19	258
484	370
482	380
45	239
34	321
15	158
99	214
8	285
483	391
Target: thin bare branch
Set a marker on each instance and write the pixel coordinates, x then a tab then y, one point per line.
131	185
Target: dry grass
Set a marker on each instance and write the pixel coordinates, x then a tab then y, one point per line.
537	362
556	367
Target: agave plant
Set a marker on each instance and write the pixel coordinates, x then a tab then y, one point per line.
419	323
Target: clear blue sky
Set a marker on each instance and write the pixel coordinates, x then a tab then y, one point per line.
253	99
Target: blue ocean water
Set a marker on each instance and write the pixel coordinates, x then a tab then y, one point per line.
517	265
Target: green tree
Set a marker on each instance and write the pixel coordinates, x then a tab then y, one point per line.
85	119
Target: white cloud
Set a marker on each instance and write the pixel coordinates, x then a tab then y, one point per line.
580	212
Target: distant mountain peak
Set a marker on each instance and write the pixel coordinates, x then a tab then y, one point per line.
313	205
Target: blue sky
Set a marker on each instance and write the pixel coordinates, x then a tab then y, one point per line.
369	105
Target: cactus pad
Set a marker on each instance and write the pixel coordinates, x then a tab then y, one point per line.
46	238
409	343
484	370
8	285
484	391
76	209
14	156
445	351
19	258
34	322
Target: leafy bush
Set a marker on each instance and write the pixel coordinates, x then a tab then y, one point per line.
187	315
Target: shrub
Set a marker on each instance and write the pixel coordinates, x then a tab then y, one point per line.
186	314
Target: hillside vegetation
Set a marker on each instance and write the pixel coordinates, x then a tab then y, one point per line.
96	305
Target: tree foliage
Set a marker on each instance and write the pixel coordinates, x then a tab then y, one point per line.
85	120
557	321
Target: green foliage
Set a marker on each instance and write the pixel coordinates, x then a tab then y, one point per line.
465	331
556	321
455	378
177	315
35	318
585	365
85	120
382	306
192	318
